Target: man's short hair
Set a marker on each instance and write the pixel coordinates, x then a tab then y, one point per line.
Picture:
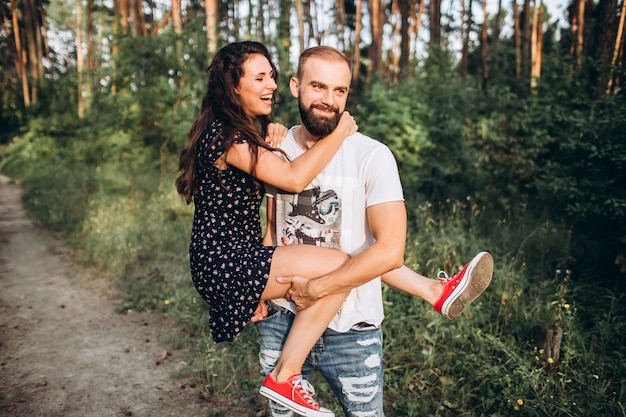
324	52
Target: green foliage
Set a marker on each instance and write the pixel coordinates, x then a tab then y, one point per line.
583	177
12	111
133	223
448	169
486	362
393	114
56	197
535	178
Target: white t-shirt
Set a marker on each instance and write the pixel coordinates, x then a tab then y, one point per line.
331	212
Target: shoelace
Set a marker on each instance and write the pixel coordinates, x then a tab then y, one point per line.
305	389
443	276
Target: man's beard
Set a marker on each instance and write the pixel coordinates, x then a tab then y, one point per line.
319	126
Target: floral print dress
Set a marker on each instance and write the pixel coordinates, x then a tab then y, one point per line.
229	264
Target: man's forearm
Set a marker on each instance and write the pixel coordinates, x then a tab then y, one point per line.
367	265
387	222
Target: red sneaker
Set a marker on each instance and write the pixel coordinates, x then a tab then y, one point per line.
295	394
463	288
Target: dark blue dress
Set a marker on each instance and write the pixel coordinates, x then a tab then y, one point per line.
229	264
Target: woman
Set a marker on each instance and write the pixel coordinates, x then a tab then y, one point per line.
222	169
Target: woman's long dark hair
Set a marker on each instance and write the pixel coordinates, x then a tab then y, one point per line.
222	103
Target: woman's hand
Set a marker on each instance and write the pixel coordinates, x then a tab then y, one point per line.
260	313
276	133
347	125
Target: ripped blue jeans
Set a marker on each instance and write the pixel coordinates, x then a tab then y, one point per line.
351	362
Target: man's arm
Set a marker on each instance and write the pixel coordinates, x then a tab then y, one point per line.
270	230
387	222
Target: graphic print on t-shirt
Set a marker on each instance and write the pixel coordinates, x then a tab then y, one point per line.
312	217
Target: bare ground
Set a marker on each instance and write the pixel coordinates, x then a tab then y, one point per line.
63	349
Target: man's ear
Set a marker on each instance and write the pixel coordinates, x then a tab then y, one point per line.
294	86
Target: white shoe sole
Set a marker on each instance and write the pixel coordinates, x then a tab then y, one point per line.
475	281
293	406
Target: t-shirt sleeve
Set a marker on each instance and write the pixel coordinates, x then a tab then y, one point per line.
382	180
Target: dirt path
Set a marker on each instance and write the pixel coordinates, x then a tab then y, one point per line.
63	350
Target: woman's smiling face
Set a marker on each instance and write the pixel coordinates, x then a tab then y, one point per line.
256	86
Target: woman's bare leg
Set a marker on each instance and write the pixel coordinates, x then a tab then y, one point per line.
310	323
409	281
449	296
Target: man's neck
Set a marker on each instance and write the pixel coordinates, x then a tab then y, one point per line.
304	138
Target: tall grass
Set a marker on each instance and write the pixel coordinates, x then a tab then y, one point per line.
485	363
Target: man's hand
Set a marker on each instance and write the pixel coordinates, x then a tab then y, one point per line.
300	291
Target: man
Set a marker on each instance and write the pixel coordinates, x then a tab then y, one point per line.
356	205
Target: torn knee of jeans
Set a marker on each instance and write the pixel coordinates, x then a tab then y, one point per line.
268	359
360	389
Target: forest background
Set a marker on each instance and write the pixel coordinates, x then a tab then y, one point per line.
509	126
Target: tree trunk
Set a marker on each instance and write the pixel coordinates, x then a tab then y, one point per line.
405	40
161	23
115	49
178	29
133	16
176	17
80	69
418	24
393	56
578	20
484	47
44	35
618	50
375	53
496	38
356	67
517	37
20	55
31	29
284	34
548	341
91	63
36	22
123	13
526	35
300	15
434	12
261	22
542	9
604	39
535	49
211	25
340	23
151	22
308	19
140	19
465	30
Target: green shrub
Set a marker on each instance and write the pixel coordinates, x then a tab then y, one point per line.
56	196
